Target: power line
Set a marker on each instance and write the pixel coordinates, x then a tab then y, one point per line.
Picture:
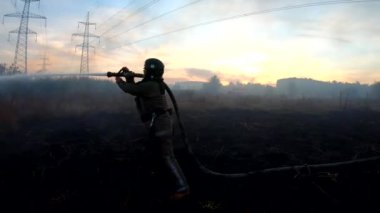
107	20
314	4
115	14
14	3
144	7
156	17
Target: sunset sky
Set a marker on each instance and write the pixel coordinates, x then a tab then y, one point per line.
329	42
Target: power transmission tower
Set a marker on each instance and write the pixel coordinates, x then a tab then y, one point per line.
44	64
85	58
20	61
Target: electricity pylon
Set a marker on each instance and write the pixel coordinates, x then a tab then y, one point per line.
85	58
20	61
44	64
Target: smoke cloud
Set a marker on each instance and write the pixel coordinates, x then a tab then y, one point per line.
200	73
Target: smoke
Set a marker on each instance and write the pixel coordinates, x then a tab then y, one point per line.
200	73
55	96
14	77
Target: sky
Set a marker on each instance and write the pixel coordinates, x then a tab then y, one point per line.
261	44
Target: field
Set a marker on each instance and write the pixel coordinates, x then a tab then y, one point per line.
77	145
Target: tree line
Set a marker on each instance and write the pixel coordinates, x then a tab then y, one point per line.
287	86
6	70
296	88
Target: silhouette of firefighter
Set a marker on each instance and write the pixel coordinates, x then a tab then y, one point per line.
155	113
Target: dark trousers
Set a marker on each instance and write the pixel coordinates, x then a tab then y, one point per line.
162	153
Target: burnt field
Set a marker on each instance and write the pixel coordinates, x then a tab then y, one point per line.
77	145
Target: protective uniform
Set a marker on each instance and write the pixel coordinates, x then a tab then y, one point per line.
155	113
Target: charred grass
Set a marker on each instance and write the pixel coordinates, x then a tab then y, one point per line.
77	145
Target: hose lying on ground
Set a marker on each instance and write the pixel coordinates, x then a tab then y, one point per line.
291	170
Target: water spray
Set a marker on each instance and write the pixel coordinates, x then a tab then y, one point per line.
48	75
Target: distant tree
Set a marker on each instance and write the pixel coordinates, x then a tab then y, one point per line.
375	90
269	91
176	86
3	69
213	85
292	89
13	69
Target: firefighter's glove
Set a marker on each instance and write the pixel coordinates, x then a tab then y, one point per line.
124	70
129	75
121	72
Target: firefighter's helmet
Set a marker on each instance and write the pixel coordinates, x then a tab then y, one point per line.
153	68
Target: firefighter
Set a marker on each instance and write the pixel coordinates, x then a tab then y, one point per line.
156	115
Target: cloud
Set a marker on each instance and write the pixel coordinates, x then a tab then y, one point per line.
338	39
329	42
200	73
